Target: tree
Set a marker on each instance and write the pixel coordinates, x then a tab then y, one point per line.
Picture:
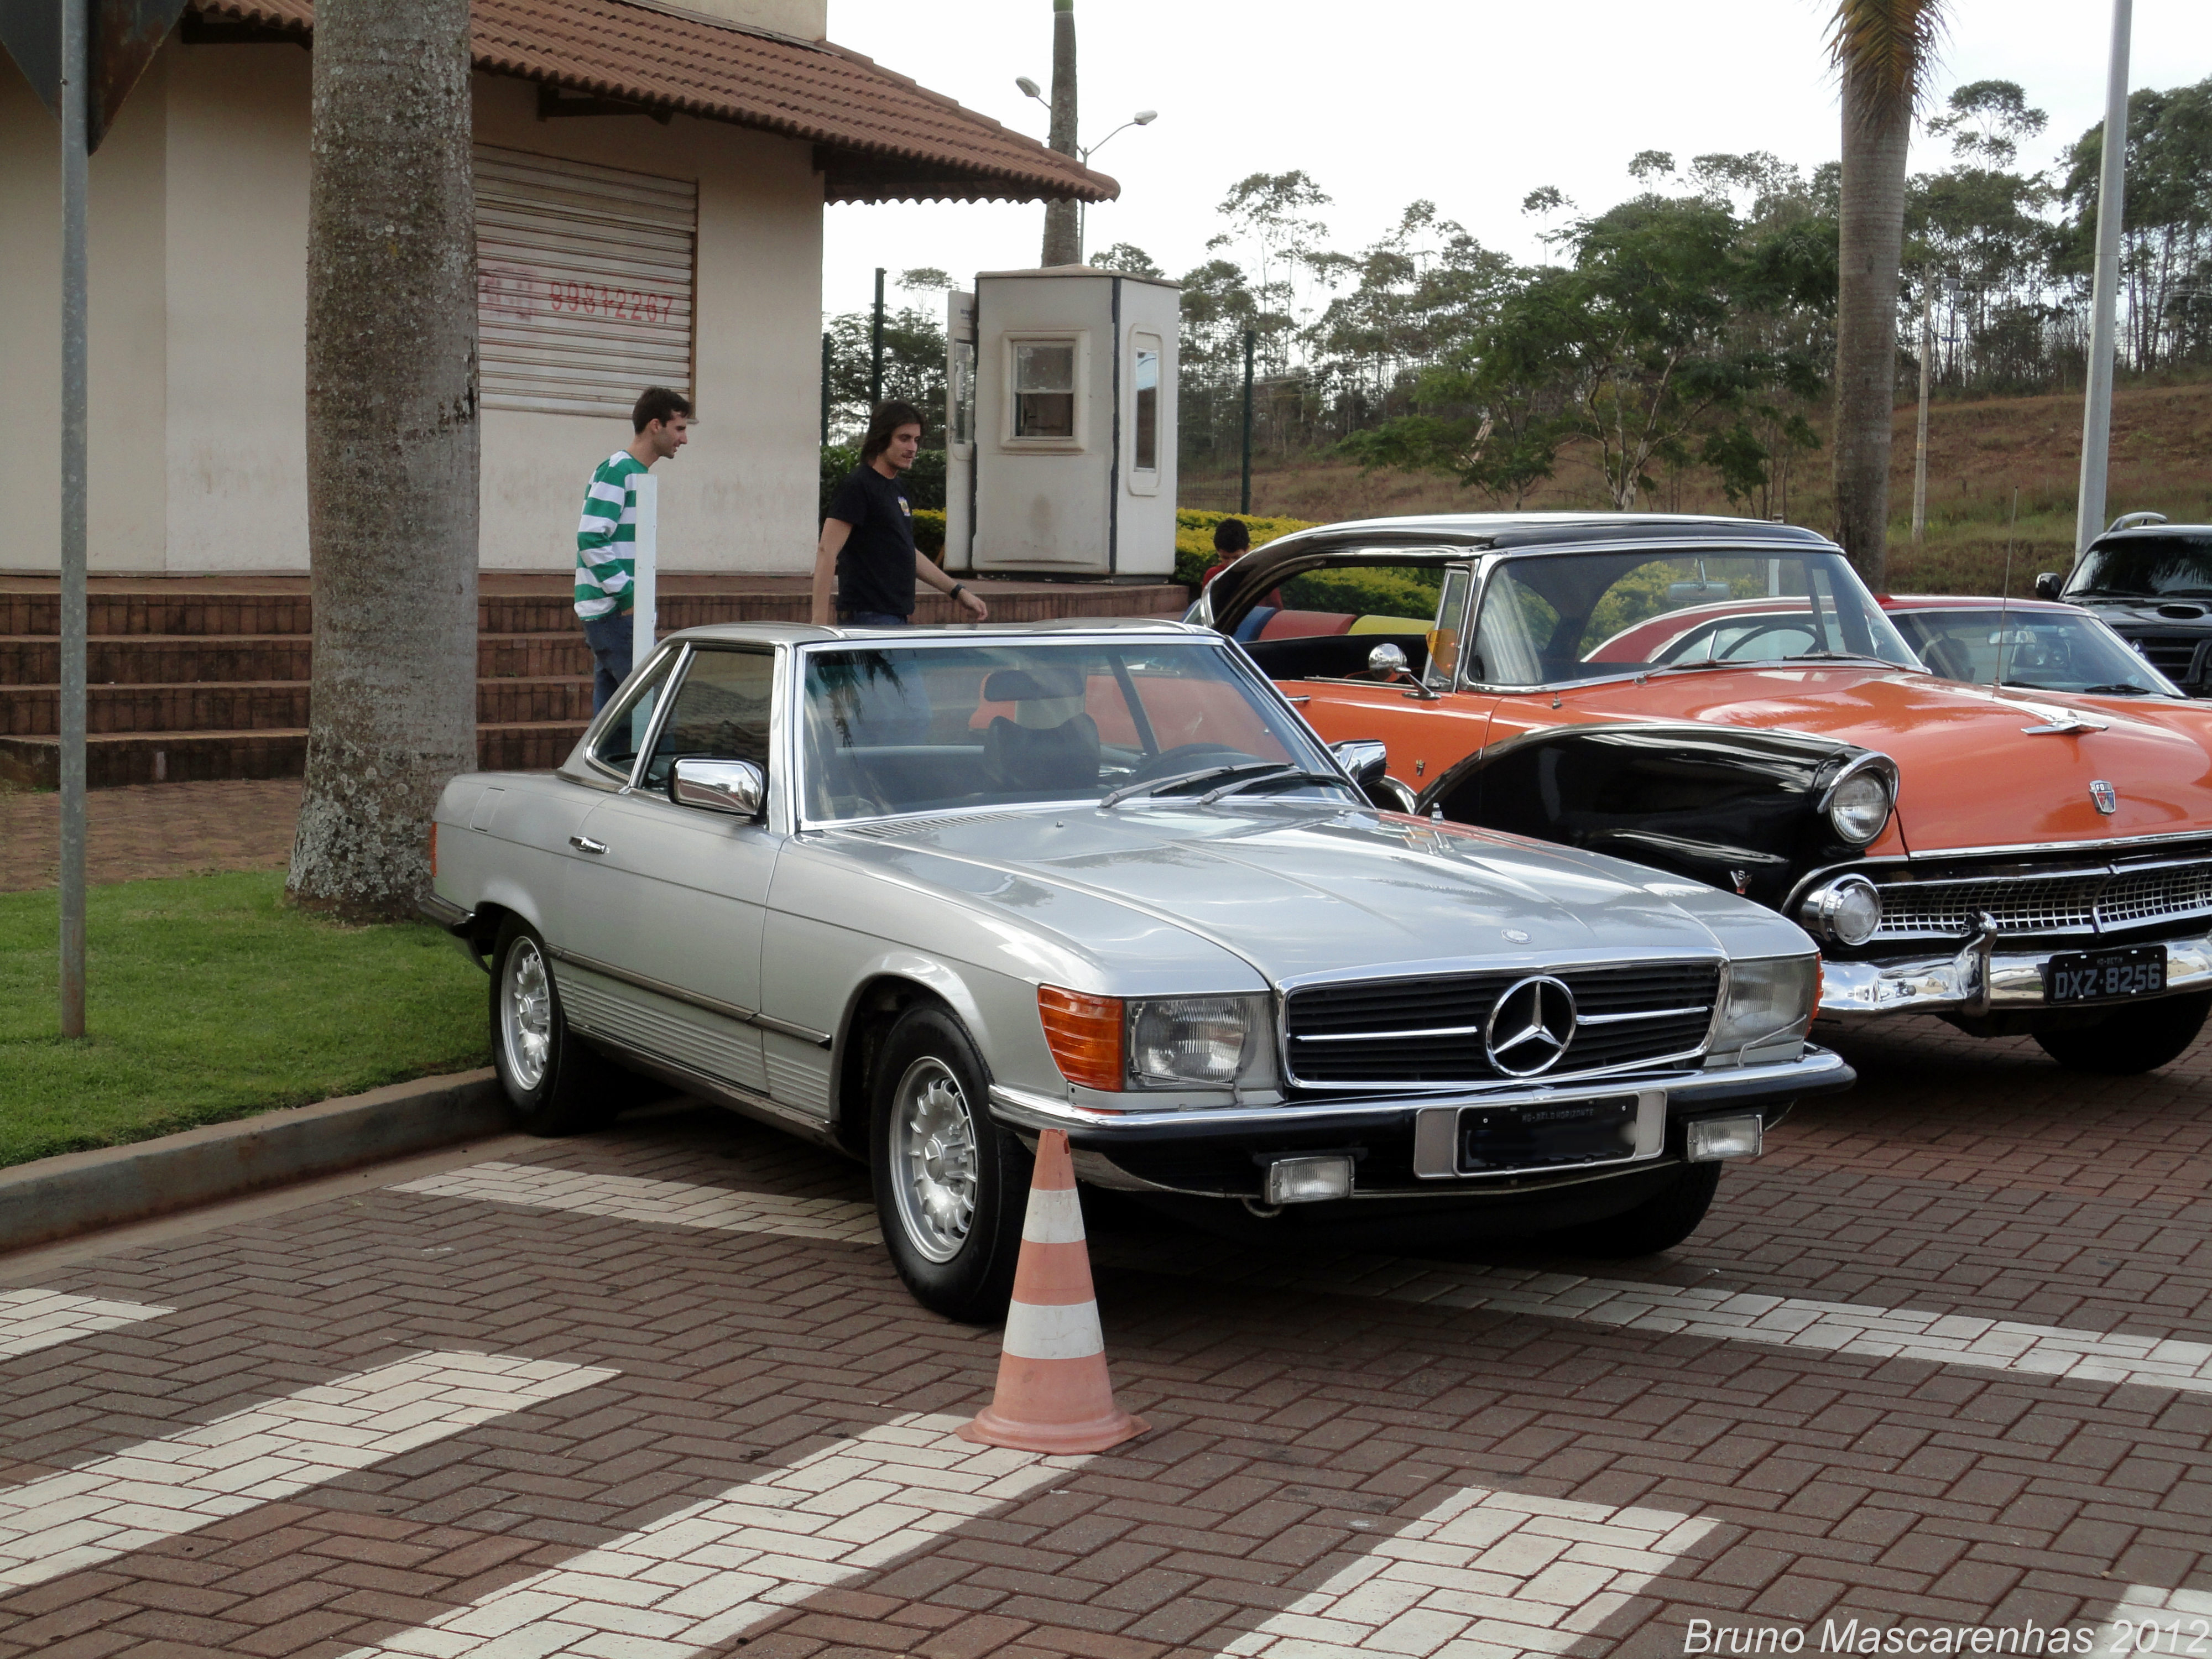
913	368
391	439
2166	259
1987	120
1884	50
1264	211
1063	215
1128	258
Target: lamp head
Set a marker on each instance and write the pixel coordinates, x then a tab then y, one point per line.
1028	88
1146	117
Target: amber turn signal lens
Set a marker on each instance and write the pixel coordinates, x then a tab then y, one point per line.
1085	1035
434	849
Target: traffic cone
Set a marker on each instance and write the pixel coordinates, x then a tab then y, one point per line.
1053	1395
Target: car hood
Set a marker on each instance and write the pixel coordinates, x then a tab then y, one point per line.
2151	613
1971	775
1297	891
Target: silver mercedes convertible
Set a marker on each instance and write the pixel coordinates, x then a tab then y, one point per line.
918	894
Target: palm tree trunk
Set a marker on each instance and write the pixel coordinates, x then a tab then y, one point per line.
1877	130
1063	239
391	447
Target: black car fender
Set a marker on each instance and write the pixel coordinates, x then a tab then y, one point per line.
1738	808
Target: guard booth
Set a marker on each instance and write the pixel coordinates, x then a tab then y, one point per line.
1060	424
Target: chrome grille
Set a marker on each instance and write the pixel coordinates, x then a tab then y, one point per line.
1429	1030
2098	899
2172	655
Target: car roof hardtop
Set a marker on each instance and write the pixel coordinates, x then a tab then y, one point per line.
783	633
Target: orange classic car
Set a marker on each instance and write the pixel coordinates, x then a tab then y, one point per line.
2011	862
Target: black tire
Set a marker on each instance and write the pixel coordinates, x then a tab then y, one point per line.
2129	1041
567	1088
952	1185
1659	1222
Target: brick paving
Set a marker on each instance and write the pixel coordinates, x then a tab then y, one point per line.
1327	1473
143	830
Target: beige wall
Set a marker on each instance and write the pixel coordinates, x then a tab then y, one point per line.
807	18
199	309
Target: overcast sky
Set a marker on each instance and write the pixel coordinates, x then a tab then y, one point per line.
1471	103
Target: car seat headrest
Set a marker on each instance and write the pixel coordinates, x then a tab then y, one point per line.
1043	697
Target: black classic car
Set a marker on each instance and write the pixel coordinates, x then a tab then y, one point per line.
2151	581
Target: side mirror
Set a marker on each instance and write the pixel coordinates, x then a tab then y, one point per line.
1386	662
1368	761
2048	584
735	787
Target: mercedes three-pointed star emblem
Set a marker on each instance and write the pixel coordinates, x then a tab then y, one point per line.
1531	1026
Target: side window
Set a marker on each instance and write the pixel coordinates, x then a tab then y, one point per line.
964	393
1443	639
615	747
720	711
1146	447
1044	389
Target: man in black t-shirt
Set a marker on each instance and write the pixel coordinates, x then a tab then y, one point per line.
866	557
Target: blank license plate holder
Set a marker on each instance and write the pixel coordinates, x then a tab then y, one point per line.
1548	1135
2114	975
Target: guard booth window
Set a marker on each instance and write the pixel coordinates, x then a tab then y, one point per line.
964	392
1147	377
1044	389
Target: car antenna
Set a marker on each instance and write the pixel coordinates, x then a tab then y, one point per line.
2004	592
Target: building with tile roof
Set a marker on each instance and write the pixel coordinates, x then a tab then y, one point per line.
651	182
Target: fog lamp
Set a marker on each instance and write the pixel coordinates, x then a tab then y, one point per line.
1847	910
1189	1039
1712	1139
1309	1180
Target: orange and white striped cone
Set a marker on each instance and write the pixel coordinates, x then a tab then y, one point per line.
1054	1393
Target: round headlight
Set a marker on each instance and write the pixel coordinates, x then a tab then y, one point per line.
1860	806
1847	910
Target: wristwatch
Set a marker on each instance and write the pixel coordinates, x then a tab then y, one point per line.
958	588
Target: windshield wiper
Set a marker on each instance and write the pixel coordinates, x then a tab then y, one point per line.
2130	690
1280	774
1152	786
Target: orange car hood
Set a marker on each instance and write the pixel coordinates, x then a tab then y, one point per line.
1970	776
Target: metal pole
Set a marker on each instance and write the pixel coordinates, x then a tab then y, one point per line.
2112	200
1920	445
1244	497
876	350
74	85
645	577
825	391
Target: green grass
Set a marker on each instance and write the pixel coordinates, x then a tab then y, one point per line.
209	999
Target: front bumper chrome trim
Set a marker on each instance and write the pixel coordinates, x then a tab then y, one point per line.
1980	979
1817	1072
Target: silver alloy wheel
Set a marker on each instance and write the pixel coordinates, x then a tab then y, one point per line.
525	1014
932	1159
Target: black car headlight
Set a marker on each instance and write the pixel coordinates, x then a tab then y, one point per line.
1768	1008
1860	805
1207	1041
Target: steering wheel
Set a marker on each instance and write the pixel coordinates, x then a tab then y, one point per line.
1188	757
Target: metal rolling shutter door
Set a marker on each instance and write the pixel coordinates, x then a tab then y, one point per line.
585	277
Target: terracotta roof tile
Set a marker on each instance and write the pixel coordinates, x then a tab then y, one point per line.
878	136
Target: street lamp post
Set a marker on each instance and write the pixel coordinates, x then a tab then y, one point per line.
2104	294
1143	117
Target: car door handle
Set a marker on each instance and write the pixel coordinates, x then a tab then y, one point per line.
585	844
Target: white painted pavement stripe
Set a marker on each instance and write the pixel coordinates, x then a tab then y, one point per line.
1735	1315
672	1203
2176	1624
31	1320
1487	1573
717	1568
158	1489
1068	1330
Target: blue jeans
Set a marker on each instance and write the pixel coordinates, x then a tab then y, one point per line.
871	619
610	639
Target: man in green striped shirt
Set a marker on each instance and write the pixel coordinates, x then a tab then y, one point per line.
606	536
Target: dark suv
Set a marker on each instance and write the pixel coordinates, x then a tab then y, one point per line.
2153	582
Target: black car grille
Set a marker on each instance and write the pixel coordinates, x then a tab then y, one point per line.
1669	1005
2173	655
2097	899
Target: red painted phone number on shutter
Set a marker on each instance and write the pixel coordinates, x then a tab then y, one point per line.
589	300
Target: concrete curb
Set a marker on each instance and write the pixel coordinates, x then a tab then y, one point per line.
78	1191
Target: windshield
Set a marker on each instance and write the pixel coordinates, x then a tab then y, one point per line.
893	729
1552	618
2145	567
2038	650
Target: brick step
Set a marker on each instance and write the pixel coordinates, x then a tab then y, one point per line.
117	758
138	613
161	660
259	705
